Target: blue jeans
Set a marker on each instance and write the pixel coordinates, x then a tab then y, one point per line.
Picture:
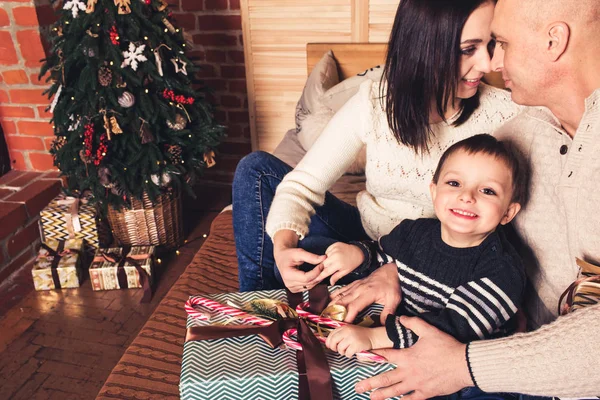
256	179
474	393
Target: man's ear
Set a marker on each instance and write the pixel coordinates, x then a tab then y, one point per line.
513	209
558	34
432	190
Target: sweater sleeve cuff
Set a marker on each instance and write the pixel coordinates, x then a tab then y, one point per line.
365	267
398	333
469	365
301	231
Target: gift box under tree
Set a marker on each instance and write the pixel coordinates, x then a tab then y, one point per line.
248	368
69	217
58	265
123	268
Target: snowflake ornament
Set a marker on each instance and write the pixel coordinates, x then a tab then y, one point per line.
133	55
75	6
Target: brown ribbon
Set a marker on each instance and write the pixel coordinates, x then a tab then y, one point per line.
57	255
313	369
120	260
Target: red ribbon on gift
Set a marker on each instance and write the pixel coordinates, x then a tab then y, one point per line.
315	382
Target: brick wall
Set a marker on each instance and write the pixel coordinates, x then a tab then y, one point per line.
22	196
217	32
24	121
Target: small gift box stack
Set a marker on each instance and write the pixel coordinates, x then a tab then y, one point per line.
58	264
69	217
123	268
246	367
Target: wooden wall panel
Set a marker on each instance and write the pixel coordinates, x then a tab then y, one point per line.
275	36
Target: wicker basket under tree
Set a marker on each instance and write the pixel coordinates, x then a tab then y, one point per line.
132	122
149	223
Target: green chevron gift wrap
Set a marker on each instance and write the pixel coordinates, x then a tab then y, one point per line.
248	368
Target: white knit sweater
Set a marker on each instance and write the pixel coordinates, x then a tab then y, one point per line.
561	222
397	179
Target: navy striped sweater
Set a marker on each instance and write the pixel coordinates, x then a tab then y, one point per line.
470	293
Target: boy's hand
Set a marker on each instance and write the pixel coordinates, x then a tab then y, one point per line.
351	339
341	259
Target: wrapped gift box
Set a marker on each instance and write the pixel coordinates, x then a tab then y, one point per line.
114	268
71	218
66	264
248	368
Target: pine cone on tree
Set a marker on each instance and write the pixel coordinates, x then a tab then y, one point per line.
104	76
175	152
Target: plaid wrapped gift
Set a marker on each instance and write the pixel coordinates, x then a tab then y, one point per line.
71	218
248	368
58	265
123	268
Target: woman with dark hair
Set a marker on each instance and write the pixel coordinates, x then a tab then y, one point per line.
430	97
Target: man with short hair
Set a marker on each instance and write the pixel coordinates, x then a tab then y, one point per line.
549	55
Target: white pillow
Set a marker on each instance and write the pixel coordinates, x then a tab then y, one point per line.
338	95
323	77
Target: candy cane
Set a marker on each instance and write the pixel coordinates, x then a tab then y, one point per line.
216	306
328	322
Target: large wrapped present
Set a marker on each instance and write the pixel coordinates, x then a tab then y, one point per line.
123	268
58	264
246	367
69	217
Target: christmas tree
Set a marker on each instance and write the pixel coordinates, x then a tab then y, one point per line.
125	115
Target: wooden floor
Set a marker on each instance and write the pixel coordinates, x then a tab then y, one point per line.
63	344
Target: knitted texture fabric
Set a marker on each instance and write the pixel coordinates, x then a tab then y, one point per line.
397	179
561	222
469	293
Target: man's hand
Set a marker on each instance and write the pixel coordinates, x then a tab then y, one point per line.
341	259
382	286
436	365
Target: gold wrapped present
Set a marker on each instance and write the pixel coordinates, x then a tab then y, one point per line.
69	217
58	264
123	268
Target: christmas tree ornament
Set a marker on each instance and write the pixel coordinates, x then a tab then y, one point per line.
123	6
75	123
169	26
106	125
55	99
84	157
145	134
120	82
101	150
174	152
75	6
161	180
179	123
114	125
91	6
104	177
126	100
114	35
176	62
157	58
104	76
133	55
162	6
92	34
209	158
58	143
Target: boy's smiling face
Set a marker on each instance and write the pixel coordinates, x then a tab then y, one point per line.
472	196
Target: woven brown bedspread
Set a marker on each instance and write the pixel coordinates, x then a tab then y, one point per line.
151	365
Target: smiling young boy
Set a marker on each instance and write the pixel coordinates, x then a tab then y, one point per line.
457	272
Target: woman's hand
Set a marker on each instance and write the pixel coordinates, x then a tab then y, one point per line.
341	259
382	286
288	258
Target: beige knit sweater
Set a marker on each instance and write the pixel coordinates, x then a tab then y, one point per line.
561	222
397	179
